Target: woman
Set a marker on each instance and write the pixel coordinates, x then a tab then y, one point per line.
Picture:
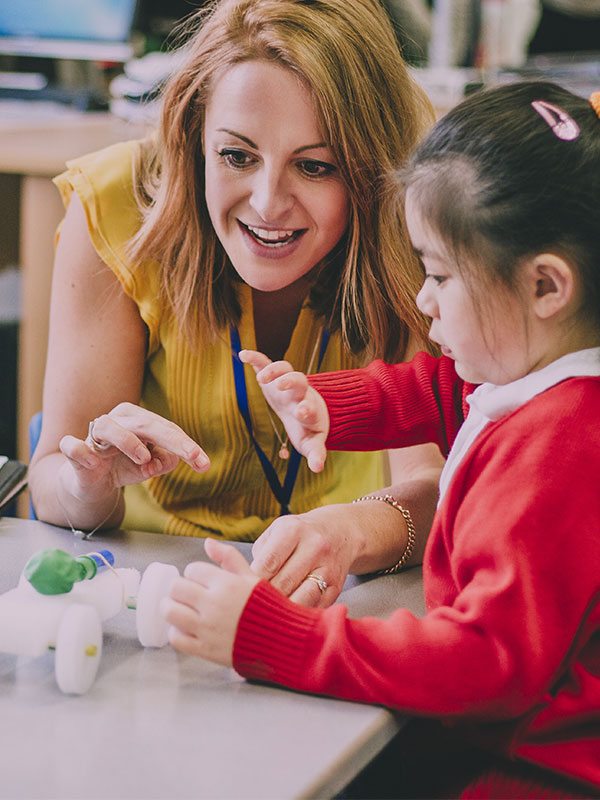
252	219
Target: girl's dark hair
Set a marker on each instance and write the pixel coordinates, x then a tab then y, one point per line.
496	182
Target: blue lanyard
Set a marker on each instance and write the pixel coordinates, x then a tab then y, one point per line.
283	493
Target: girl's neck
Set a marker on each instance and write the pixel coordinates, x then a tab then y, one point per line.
561	340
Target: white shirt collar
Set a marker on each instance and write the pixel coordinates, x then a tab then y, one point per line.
489	402
495	402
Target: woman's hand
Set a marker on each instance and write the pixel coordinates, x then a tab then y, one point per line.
300	407
141	445
317	543
206	604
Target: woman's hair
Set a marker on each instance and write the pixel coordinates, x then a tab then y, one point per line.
372	115
496	180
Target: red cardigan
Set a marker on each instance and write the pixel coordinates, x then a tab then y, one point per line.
510	643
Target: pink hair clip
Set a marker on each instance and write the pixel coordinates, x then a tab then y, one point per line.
563	126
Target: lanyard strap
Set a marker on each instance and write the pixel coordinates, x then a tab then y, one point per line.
283	493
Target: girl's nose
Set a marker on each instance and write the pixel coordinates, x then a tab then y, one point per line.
270	196
425	300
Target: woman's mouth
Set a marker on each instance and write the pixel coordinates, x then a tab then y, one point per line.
272	239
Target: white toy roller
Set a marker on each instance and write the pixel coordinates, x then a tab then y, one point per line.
33	621
152	628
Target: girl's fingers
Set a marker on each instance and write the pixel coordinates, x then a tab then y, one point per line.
308	414
184	642
227	557
275	370
254	358
292	385
316	456
182	615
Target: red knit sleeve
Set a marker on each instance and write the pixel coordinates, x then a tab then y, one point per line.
511	580
393	405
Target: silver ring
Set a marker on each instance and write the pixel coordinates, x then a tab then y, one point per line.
319	580
101	446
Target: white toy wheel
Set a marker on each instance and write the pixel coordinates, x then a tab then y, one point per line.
152	628
78	649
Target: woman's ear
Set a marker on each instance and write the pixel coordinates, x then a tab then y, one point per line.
551	284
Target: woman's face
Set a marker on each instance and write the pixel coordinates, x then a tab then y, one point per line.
274	195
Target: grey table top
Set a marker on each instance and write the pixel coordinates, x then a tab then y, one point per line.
158	724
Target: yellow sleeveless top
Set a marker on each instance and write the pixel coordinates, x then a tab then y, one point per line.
233	499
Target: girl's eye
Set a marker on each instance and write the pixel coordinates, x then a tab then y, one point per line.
439	279
315	169
237	159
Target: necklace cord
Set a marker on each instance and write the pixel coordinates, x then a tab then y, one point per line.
89	534
283	493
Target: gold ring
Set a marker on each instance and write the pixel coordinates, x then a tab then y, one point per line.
319	580
96	445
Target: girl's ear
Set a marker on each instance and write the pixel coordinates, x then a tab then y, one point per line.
551	284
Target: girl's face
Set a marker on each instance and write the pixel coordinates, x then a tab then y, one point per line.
489	340
273	191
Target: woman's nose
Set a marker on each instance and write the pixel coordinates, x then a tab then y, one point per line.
271	197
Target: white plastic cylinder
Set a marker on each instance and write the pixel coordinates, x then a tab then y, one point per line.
152	628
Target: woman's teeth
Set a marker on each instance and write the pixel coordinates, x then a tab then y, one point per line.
271	238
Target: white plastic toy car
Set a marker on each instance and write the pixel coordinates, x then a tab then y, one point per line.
69	620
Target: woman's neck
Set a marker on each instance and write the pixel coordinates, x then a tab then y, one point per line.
275	317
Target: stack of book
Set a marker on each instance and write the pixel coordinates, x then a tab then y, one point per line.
13	479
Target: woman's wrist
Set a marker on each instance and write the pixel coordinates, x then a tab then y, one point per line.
404	558
87	507
382	534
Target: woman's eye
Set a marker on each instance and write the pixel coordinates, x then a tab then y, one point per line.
237	159
315	169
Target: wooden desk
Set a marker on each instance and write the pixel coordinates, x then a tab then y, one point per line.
32	151
157	724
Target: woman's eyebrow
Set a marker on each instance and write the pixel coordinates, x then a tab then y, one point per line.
250	143
238	136
317	146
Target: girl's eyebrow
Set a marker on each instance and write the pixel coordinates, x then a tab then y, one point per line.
250	143
430	255
422	253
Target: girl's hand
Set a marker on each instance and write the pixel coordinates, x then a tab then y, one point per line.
318	543
206	604
141	445
300	407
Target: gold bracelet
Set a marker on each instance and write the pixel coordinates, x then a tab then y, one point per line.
410	544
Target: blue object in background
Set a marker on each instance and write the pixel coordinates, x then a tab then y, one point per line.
35	427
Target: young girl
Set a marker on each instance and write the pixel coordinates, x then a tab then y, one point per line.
502	205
